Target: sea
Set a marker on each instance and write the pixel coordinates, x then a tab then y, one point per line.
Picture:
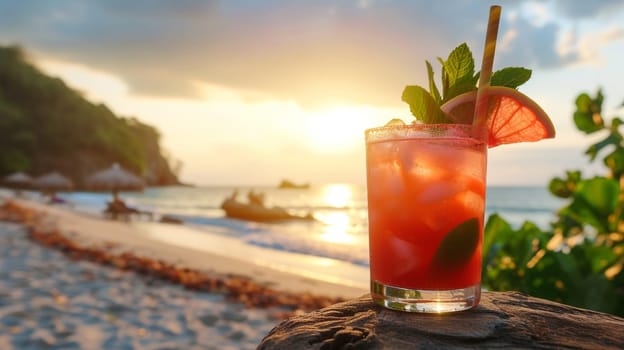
332	247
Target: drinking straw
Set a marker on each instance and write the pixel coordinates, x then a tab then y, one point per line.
481	105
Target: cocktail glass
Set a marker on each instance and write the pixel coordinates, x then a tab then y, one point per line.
426	201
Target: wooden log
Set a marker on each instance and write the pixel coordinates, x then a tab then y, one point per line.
503	320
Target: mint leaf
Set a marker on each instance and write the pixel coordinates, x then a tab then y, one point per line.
458	246
433	89
511	77
444	77
459	65
423	106
460	88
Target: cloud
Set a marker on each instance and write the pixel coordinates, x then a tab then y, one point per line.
528	45
587	9
319	52
537	39
322	51
589	45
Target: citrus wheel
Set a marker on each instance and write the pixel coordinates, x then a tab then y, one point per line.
512	116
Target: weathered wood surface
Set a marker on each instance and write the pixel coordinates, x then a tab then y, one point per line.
501	321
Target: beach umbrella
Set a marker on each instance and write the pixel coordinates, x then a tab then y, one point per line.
18	180
115	179
53	181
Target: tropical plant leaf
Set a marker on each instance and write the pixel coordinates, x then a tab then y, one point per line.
615	162
593	201
495	226
601	193
613	139
587	116
559	188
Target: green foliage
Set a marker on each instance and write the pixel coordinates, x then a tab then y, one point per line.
458	76
587	116
423	106
458	73
510	77
580	260
48	126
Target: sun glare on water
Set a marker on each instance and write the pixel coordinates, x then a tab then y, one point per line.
337	195
336	230
337	223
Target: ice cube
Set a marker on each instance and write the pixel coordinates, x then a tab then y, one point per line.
436	218
405	157
473	202
444	212
406	256
385	180
439	191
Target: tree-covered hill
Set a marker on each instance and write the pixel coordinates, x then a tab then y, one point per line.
46	126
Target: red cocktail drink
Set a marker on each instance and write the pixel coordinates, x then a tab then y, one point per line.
426	200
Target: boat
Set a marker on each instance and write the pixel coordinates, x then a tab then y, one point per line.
289	184
256	212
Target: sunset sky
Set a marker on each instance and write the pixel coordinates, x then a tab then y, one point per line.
249	92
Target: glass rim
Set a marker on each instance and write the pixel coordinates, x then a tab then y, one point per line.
407	131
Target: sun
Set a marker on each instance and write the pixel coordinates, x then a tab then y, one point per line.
338	129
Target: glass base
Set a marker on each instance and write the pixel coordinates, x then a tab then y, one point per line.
422	300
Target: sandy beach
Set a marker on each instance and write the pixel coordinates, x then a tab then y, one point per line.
141	238
57	298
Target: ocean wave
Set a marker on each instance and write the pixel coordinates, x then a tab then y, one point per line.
220	225
355	255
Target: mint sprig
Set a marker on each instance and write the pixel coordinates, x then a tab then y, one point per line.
423	106
458	76
511	77
433	89
458	72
